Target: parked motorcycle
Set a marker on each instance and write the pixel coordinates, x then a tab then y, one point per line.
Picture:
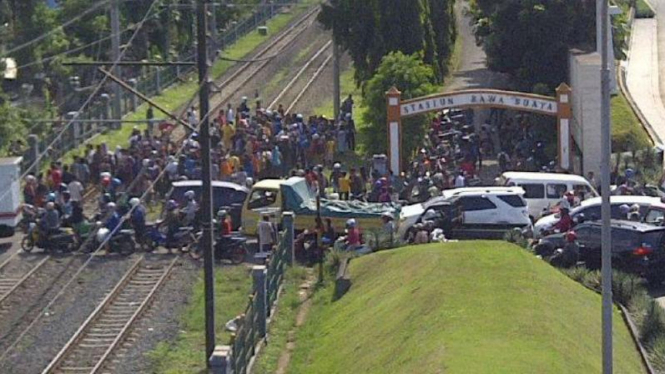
65	241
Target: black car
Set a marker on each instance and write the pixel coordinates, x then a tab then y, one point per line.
225	195
636	247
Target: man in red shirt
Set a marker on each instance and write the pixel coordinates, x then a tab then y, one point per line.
565	222
55	176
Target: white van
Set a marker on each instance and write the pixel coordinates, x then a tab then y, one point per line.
542	191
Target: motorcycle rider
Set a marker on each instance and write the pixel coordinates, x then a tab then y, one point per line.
191	209
565	222
137	217
225	228
171	220
568	255
51	220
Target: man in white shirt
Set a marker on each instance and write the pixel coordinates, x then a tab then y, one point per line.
266	234
75	190
230	114
460	181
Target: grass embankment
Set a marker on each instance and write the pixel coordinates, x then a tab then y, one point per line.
473	307
178	95
186	354
628	134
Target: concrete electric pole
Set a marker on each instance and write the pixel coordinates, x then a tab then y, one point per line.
115	52
206	193
336	78
602	17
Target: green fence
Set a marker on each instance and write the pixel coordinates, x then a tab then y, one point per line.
252	324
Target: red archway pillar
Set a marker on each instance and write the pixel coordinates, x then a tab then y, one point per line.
564	117
394	123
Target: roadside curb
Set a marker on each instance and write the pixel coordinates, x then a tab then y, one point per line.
635	335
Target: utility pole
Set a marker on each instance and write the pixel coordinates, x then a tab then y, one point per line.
206	195
115	51
213	28
602	17
336	78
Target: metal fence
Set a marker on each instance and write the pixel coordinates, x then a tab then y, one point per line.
150	84
252	324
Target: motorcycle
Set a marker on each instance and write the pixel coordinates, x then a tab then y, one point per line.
29	215
64	241
182	239
121	242
232	248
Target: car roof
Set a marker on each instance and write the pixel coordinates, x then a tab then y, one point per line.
637	226
271	184
622	199
543	177
483	191
215	184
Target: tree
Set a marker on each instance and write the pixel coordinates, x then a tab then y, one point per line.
413	78
370	29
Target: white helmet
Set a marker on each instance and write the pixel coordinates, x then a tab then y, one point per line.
110	206
190	194
134	201
351	222
337	165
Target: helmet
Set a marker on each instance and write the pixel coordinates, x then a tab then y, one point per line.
635	208
145	162
337	165
571	236
50	205
110	206
134	201
105	174
30	178
171	205
630	173
299	116
624	208
244	98
351	222
190	194
116	182
50	197
387	215
221	213
63	187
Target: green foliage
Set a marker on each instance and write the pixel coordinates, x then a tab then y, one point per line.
643	9
370	29
530	39
414	79
627	132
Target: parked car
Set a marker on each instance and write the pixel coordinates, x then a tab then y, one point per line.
226	195
636	247
489	211
591	210
446	215
655	215
544	190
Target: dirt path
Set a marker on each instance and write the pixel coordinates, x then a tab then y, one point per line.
304	294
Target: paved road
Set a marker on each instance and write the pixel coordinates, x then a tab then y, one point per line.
643	73
472	72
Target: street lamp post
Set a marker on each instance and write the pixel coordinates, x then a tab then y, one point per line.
602	17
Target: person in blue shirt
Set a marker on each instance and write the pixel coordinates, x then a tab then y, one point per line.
114	219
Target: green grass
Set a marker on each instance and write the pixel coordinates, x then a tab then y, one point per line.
644	10
186	354
175	96
627	132
276	80
472	307
284	321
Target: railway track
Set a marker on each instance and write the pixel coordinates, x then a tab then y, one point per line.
109	324
10	281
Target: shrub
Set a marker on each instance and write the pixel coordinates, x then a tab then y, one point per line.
576	273
657	353
334	257
653	324
592	280
625	287
643	10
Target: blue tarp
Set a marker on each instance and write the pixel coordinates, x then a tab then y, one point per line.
300	200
